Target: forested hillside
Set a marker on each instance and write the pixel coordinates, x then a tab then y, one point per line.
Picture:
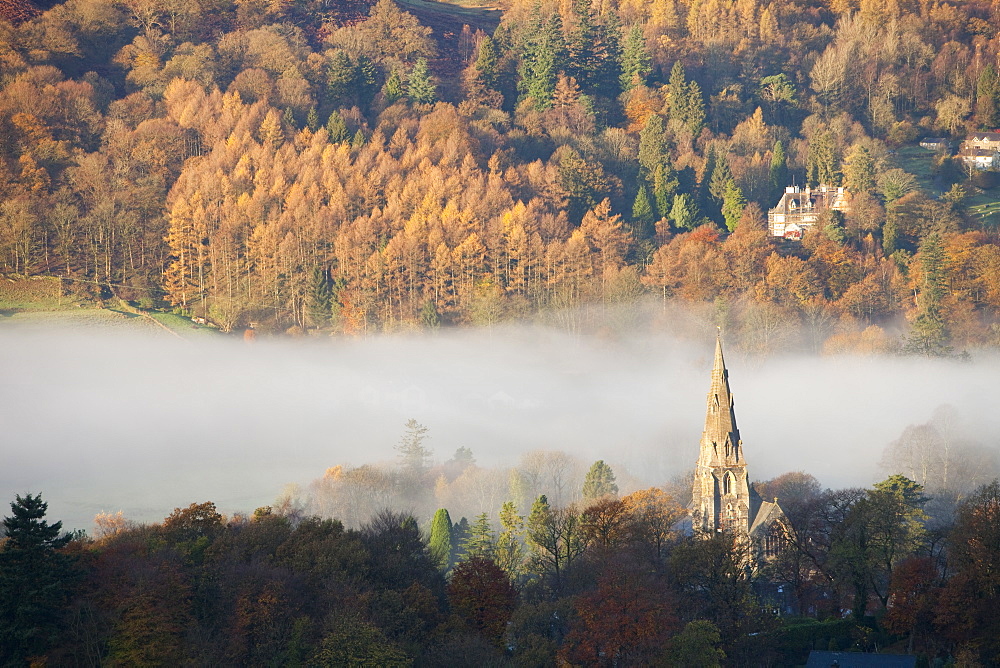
341	167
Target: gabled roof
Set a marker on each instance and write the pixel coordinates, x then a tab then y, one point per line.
768	513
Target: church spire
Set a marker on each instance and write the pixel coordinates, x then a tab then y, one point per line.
721	494
720	442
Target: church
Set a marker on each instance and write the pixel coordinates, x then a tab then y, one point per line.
722	498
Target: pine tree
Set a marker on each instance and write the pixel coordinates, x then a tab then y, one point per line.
481	541
988	98
664	188
413	455
486	63
685	101
778	171
441	543
599	481
341	79
642	213
541	62
320	296
337	128
733	203
677	92
720	178
684	212
606	78
581	61
459	534
35	581
821	164
859	170
509	547
890	235
366	75
392	91
636	61
929	333
652	144
419	86
694	115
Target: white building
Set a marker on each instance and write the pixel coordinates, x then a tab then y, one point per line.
800	208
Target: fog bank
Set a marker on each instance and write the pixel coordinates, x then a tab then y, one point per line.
146	423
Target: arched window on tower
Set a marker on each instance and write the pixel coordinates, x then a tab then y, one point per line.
728	482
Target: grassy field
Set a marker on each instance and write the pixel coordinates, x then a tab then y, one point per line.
983	205
47	302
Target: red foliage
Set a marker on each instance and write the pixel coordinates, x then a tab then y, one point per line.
627	620
481	594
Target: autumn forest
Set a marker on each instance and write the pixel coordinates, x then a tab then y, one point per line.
338	167
350	168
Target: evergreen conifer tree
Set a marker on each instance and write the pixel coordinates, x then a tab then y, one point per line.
337	128
929	334
733	203
392	91
599	481
440	543
636	61
541	62
778	171
509	547
341	78
642	212
664	188
720	178
480	542
684	212
459	534
652	144
419	86
487	60
34	581
413	455
320	296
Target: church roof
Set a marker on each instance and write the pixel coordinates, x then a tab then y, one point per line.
766	516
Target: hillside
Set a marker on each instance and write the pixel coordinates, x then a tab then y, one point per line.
354	168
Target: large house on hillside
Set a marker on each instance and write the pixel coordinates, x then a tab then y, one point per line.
800	208
981	150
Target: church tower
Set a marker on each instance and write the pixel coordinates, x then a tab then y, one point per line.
721	498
